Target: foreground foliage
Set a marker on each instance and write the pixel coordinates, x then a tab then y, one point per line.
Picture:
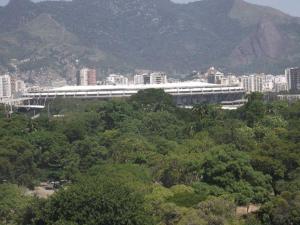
145	161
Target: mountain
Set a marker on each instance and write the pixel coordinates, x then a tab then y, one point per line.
52	39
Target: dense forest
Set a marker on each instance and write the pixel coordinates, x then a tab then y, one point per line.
144	161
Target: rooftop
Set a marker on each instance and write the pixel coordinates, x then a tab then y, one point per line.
133	87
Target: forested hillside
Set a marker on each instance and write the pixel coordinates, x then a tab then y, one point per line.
143	161
47	42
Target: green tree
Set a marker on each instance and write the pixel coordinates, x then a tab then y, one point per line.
231	169
17	158
13	203
74	130
153	100
90	153
95	201
217	210
282	210
254	110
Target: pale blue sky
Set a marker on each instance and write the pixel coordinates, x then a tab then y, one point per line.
289	6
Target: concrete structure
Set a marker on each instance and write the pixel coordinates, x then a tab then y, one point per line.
293	79
147	79
268	83
210	75
13	81
20	86
78	78
138	79
233	80
158	78
88	77
264	83
214	76
116	79
280	83
150	78
5	86
141	79
185	93
173	80
252	83
220	78
290	98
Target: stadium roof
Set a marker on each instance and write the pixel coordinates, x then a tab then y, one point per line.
134	87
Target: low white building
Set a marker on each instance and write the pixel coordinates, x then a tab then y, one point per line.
233	80
116	79
151	78
139	79
158	78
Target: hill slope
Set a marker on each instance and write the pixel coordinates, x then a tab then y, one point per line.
146	34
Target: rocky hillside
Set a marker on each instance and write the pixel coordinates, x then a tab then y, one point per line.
46	42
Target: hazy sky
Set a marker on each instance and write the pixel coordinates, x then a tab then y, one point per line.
289	6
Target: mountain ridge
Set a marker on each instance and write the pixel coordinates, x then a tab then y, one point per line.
160	35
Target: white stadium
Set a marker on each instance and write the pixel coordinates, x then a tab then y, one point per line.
184	93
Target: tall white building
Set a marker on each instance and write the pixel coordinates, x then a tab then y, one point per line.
116	79
5	86
252	83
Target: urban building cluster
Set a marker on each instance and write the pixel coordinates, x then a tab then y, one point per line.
264	83
10	86
88	77
255	82
290	81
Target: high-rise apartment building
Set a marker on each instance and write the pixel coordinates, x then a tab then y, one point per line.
5	86
252	83
293	78
88	77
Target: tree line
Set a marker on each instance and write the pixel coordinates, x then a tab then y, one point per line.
144	161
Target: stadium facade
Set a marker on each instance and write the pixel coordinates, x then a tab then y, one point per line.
184	93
